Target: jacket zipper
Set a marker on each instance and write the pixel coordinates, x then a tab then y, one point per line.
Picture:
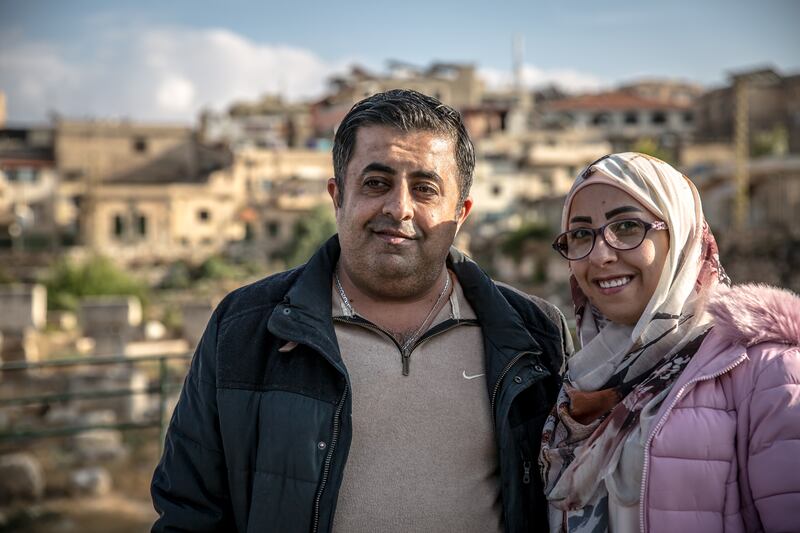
661	422
327	466
505	371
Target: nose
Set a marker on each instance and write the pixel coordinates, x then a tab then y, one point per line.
602	253
399	204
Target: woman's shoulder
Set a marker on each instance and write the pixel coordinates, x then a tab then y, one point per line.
753	314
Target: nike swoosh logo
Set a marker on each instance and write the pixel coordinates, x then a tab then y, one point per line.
464	373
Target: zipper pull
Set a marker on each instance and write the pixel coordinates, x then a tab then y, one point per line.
406	357
526	476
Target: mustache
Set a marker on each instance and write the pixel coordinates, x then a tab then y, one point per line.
386	224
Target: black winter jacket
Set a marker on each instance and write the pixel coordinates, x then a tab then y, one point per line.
259	438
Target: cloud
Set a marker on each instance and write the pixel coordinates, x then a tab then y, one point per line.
533	77
153	74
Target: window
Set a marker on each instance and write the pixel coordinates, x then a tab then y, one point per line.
659	117
601	119
141	225
273	228
203	215
688	117
140	145
119	226
24	175
631	117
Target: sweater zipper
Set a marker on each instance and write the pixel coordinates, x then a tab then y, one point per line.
405	355
327	466
661	422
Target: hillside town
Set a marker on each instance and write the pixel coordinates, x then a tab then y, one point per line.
188	213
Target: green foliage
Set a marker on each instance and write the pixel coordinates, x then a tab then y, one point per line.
217	267
514	242
178	276
68	282
650	147
308	234
771	142
5	276
181	275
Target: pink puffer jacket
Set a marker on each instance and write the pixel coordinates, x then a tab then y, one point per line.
725	452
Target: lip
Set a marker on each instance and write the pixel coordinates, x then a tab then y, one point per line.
394	237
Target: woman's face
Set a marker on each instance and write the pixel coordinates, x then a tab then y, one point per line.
618	283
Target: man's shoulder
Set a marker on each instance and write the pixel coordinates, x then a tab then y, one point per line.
529	303
257	296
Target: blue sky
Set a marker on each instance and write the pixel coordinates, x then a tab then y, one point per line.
166	60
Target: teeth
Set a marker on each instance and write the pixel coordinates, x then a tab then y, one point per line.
618	282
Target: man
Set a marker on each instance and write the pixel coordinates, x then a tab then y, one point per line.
386	385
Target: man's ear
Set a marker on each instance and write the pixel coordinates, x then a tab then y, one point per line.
464	213
333	191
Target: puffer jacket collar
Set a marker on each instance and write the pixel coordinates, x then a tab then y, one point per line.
754	313
743	316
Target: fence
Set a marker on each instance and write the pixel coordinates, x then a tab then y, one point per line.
163	387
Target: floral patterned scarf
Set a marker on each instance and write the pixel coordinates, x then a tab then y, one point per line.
593	441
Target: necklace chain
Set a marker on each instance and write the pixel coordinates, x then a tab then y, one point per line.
416	334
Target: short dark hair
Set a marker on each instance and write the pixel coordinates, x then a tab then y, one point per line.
407	111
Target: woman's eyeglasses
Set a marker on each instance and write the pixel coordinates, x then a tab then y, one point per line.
623	235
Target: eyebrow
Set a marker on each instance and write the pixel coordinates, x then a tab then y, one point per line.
623	209
588	220
378	167
386	169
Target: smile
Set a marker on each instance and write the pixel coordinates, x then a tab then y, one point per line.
613	283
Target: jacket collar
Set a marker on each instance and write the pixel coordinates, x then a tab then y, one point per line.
504	331
305	314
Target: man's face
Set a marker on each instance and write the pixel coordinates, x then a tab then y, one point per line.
399	214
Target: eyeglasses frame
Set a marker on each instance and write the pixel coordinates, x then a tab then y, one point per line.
656	225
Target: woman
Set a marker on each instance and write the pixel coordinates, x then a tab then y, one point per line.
681	410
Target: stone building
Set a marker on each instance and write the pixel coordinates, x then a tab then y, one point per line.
181	205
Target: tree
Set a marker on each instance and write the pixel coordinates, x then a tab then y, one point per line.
308	234
68	282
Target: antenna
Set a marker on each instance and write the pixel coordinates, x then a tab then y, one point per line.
518	59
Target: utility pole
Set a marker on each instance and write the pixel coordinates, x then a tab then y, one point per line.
742	151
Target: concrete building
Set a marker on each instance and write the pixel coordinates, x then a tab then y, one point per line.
282	186
91	150
457	85
28	186
773	112
266	123
622	117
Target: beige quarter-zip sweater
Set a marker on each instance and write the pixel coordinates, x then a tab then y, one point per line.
423	455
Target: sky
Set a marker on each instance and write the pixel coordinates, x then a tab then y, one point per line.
166	60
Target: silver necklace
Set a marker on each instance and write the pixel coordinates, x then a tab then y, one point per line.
410	341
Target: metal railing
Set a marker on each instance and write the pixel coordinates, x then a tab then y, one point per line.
162	389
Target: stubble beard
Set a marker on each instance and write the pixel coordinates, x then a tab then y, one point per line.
401	276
